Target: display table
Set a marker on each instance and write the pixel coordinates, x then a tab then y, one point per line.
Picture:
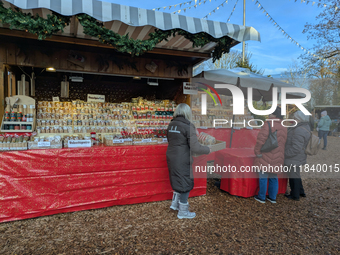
44	182
246	183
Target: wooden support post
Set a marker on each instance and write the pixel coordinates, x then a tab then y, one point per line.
2	90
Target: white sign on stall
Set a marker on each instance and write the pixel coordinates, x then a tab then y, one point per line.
96	98
190	88
44	144
79	143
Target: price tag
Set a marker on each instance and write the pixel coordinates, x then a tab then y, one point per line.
118	141
44	144
128	140
79	143
165	140
55	99
203	127
147	140
218	127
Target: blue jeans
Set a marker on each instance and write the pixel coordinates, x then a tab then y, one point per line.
273	188
323	134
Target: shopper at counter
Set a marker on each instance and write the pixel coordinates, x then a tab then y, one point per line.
182	139
295	156
272	158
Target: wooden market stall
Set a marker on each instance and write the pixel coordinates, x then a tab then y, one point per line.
117	51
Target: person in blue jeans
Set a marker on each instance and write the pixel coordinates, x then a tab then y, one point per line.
273	187
323	128
271	161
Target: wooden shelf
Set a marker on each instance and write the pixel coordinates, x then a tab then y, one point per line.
16	131
17	122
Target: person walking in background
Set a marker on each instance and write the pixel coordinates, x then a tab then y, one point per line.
295	156
272	158
182	139
323	128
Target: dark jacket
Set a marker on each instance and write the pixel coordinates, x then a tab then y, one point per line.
274	157
182	139
311	123
297	140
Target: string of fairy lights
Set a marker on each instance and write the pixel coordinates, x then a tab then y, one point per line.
318	4
260	6
232	11
216	9
197	3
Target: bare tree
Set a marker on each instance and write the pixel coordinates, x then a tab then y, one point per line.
297	75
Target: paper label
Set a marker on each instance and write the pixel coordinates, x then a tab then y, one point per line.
95	98
55	99
165	140
147	140
44	144
203	127
79	143
118	140
190	88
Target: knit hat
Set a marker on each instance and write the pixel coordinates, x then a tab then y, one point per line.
301	117
324	113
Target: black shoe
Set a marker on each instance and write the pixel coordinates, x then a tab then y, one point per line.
324	148
218	184
290	197
260	200
302	195
271	200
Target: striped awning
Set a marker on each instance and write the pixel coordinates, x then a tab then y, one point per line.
136	22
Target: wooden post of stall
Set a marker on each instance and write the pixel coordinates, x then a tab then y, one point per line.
188	98
2	90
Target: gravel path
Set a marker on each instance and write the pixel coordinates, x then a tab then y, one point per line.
225	225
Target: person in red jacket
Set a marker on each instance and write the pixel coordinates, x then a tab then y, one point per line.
270	162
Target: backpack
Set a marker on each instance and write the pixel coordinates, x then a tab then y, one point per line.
314	144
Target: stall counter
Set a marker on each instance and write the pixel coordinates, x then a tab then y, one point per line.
44	182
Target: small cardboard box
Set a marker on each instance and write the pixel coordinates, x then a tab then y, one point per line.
117	142
219	145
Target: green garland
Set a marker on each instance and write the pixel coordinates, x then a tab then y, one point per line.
137	47
43	28
54	23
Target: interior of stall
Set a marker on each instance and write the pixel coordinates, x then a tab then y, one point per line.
69	106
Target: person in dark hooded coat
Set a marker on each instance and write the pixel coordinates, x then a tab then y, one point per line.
295	155
182	141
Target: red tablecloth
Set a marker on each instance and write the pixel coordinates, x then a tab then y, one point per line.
246	183
44	182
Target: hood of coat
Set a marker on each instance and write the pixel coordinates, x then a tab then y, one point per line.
326	118
181	119
300	124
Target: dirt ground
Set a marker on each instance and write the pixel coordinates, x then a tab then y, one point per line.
224	224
